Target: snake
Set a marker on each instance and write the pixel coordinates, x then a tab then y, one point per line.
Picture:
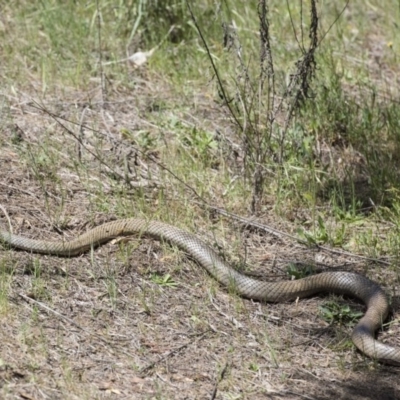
338	282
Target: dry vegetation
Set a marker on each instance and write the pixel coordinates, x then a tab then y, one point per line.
82	144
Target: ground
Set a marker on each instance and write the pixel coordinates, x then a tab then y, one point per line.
137	318
109	324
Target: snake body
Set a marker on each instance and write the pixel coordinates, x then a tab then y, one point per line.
346	283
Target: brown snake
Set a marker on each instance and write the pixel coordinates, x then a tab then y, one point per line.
333	282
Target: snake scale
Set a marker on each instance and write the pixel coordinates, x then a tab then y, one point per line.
346	283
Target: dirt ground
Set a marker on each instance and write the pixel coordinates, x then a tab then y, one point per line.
101	326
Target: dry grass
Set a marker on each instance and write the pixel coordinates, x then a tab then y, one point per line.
99	325
136	318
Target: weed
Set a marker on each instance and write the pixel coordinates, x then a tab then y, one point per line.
112	289
298	272
256	125
321	235
163	280
39	287
6	278
332	312
144	139
254	367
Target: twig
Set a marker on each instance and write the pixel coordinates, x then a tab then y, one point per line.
78	138
214	67
8	219
266	62
171	353
334	22
72	322
231	319
203	202
8	186
98	158
299	84
103	85
221	377
298	394
59	315
165	381
278	233
81	134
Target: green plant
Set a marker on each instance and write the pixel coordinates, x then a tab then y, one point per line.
253	103
298	272
254	367
319	236
163	280
333	312
199	141
112	289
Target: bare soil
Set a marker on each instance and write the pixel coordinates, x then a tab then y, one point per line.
98	326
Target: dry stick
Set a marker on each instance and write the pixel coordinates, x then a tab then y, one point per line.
230	318
171	353
297	394
81	134
267	64
59	315
221	376
279	234
300	80
252	136
301	45
165	381
56	313
8	218
334	22
96	156
214	67
18	189
203	202
103	85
